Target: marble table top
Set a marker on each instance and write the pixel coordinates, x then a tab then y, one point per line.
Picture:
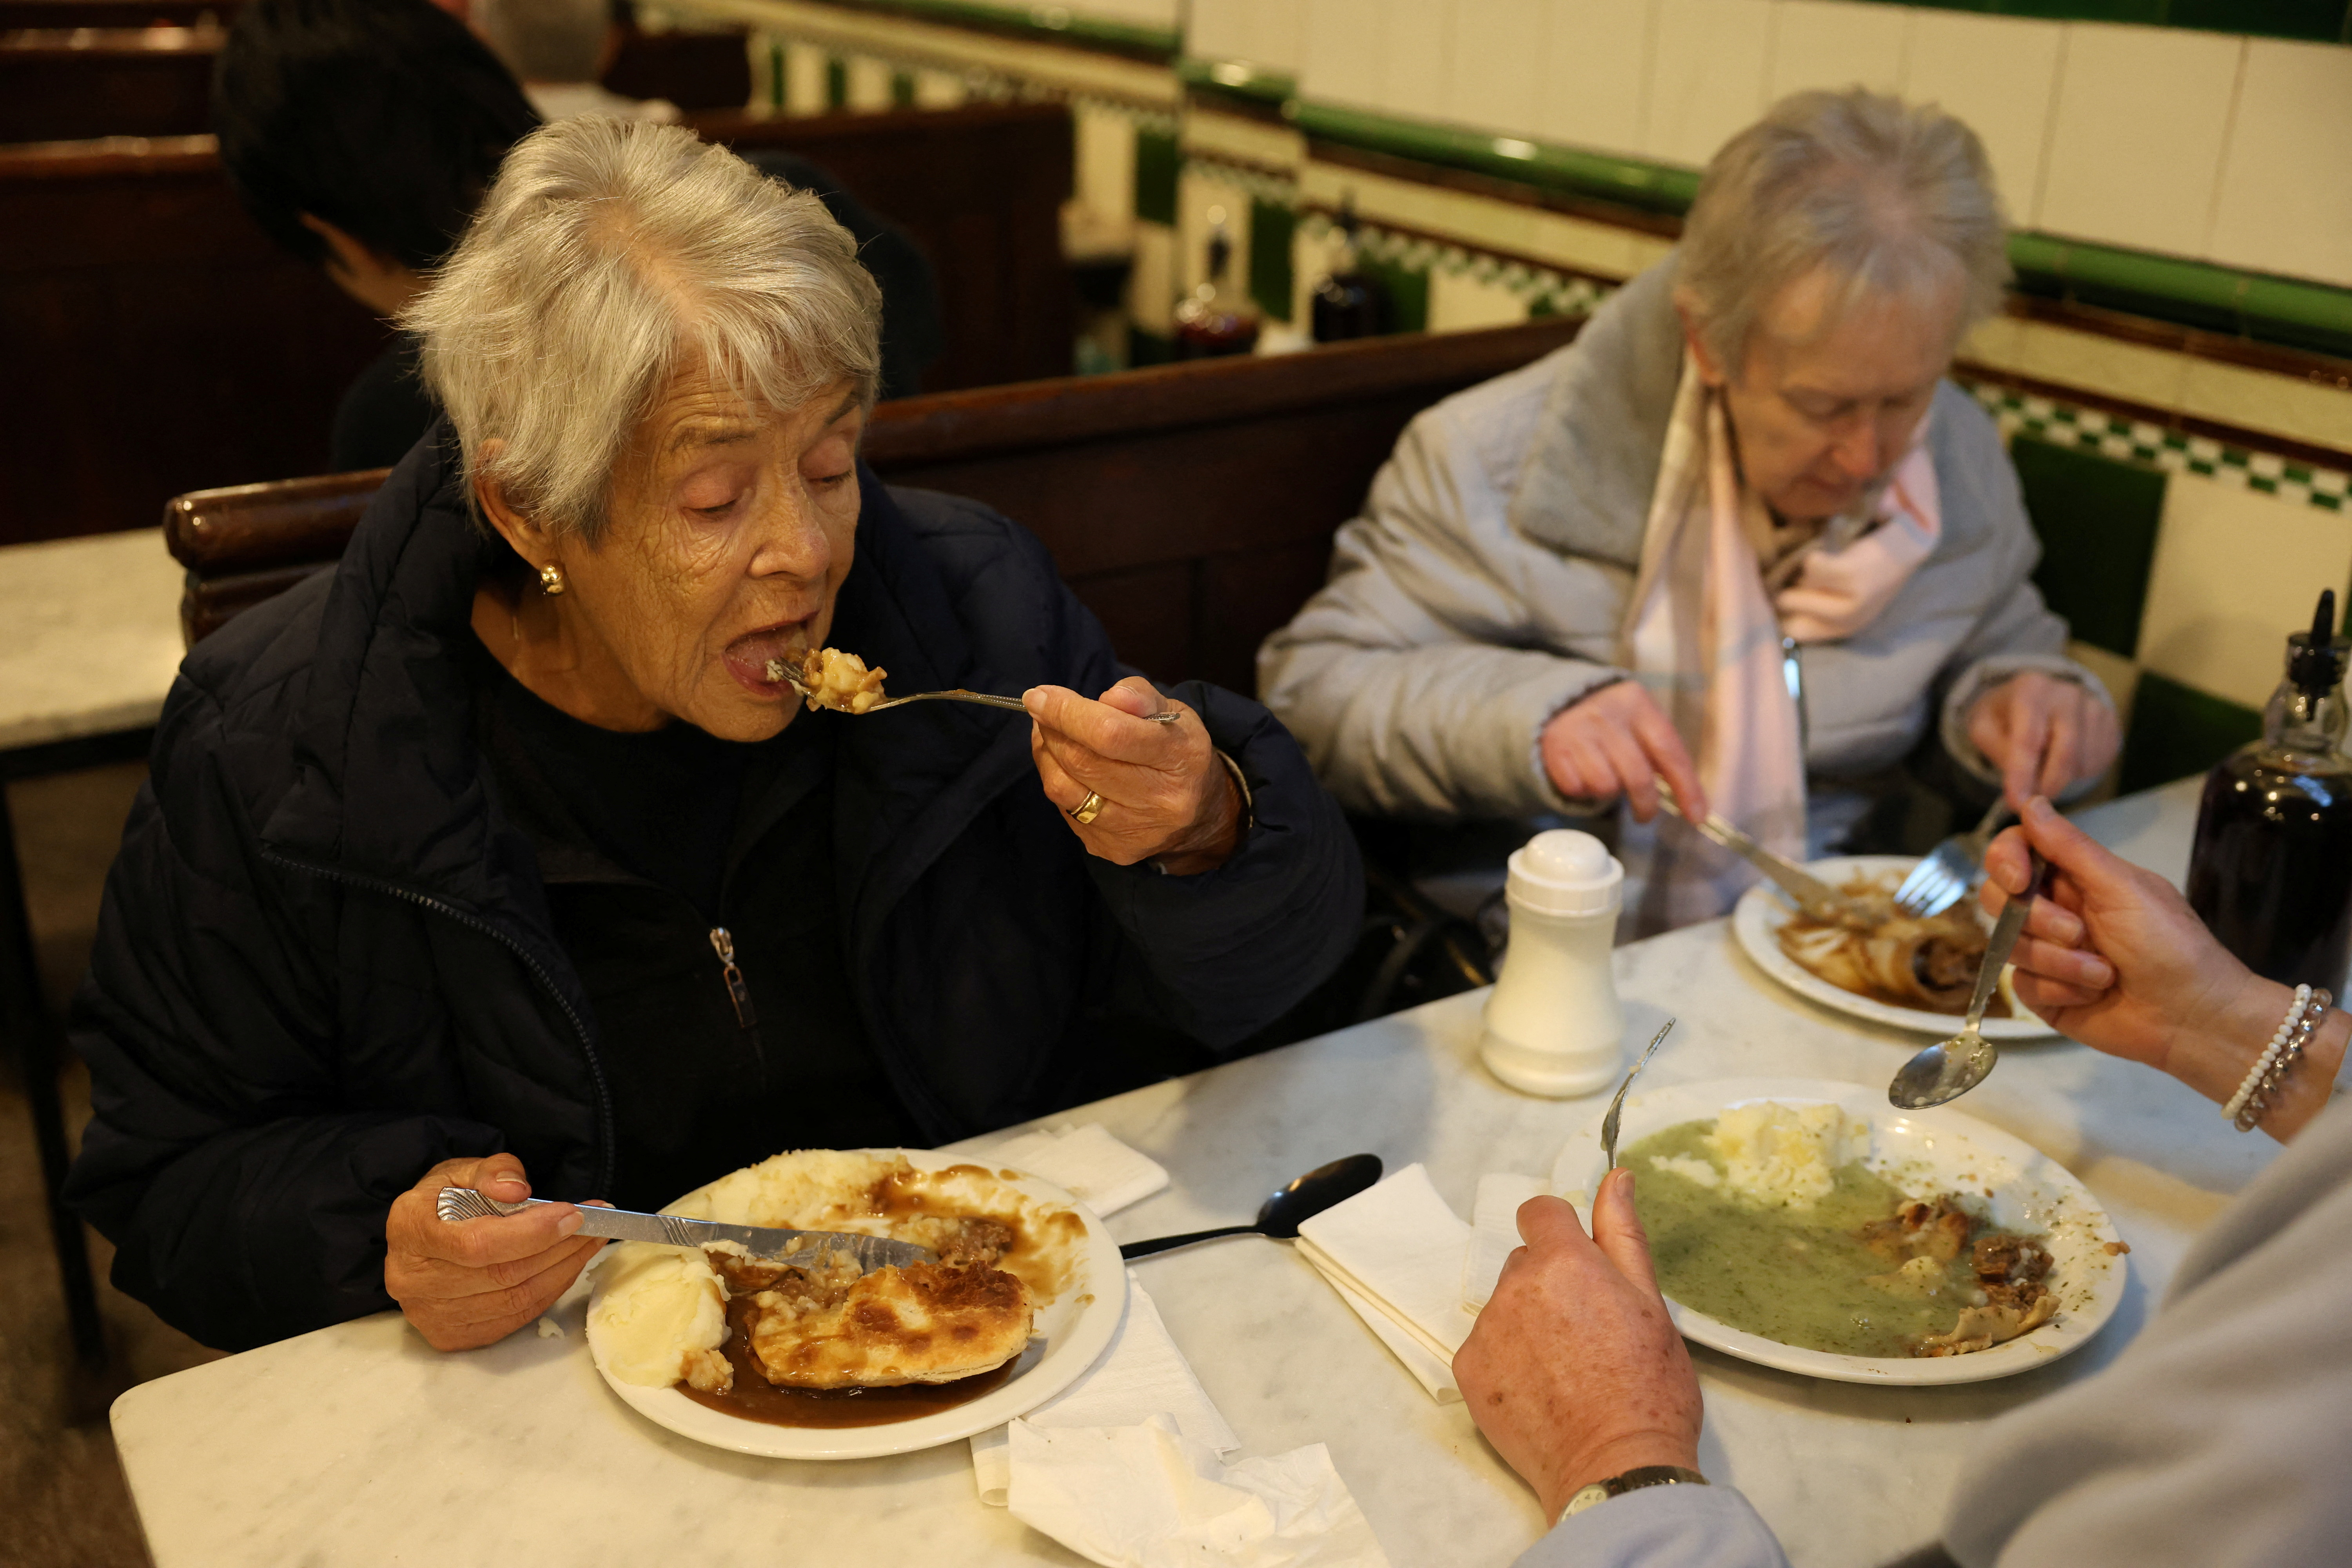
92	637
358	1445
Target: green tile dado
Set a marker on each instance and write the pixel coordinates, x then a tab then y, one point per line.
2097	519
2328	21
1408	290
1157	161
1271	281
2177	731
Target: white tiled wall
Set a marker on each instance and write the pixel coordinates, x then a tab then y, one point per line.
2201	144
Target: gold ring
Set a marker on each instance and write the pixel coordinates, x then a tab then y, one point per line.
1087	810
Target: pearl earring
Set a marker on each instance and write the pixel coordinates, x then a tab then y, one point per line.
551	579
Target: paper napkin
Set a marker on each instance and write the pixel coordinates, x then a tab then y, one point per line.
1398	1248
1148	1496
1141	1375
1493	1232
1100	1172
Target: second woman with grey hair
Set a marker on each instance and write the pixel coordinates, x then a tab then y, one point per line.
497	857
1741	536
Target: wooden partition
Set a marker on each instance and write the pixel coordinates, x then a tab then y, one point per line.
155	340
980	190
161	343
59	84
1191	507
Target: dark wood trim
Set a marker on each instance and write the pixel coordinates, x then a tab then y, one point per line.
249	528
2302	364
2293	451
1000	419
110	156
743	128
41	758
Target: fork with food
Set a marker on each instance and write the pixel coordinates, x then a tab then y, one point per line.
829	678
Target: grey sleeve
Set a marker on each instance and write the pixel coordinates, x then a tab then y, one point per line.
1420	677
1660	1527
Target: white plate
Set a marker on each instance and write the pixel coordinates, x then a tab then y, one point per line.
1071	1331
1764	909
1923	1153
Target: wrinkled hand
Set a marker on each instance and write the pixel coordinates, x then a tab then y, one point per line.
2045	734
2115	957
476	1282
1618	741
1574	1372
1166	796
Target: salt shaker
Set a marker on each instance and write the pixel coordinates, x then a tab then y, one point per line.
1553	1023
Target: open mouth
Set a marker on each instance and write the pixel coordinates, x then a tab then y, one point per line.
748	656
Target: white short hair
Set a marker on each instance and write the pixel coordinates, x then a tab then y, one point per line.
1890	200
607	255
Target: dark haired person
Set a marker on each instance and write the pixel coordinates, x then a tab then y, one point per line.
361	134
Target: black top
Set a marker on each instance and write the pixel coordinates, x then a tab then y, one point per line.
384	411
649	857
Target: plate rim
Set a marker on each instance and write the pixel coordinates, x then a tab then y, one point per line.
1092	1330
1763	908
2044	1345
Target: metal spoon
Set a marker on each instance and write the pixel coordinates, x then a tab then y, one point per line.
1949	1070
778	670
1617	1106
1280	1215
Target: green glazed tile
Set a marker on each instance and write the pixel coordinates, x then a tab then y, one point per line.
902	89
1156	163
1408	294
2178	730
2320	19
2098	520
1270	278
836	82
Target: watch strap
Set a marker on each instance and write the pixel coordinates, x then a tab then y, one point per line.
1631	1480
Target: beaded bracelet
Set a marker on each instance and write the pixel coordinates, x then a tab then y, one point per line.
2294	1011
2275	1075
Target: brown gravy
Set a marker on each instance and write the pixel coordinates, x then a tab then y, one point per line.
754	1398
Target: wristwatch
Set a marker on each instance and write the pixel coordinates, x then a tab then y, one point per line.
1632	1481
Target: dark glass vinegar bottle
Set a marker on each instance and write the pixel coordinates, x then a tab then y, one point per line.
1216	318
1349	302
2272	870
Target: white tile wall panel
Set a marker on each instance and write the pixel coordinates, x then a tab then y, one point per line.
1837	43
2000	75
1706	77
1461	302
2235	571
869	83
1271	33
1343	60
2137	141
2286	200
1496	73
1104	166
1416	59
1596	77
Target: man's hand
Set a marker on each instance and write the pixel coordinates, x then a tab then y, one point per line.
1165	796
1575	1373
2045	734
1618	741
476	1282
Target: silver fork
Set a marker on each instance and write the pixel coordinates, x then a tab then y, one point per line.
777	671
1946	873
1617	1106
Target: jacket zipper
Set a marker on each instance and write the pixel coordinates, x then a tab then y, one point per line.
722	943
537	971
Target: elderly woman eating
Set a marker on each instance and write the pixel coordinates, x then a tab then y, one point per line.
497	857
1741	537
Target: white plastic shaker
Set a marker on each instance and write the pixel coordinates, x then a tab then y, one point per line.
1553	1023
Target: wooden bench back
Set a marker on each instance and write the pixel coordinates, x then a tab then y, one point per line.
1191	507
59	84
175	348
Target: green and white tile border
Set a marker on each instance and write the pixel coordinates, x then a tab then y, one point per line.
2152	446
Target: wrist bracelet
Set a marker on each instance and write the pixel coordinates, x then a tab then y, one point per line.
2294	1011
2307	1019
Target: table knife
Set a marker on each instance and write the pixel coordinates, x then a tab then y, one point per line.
868	1252
1814	895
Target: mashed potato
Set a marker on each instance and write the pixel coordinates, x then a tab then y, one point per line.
1786	1155
660	1308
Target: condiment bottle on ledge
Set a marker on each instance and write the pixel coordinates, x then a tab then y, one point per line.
1553	1023
2272	870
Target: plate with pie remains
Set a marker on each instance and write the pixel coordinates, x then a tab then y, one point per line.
825	1364
1908	973
1809	1225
